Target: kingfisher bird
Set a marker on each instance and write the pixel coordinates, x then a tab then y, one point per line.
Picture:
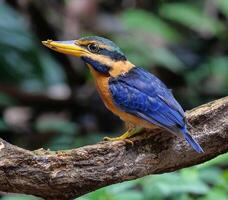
138	97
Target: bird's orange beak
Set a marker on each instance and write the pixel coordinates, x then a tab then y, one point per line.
66	47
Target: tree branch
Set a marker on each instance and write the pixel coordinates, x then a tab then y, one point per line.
69	174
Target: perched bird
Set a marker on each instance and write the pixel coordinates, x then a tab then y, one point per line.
132	93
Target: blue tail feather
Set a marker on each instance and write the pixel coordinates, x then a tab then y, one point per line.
192	141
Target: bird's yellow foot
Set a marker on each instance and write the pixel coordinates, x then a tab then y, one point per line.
118	139
124	136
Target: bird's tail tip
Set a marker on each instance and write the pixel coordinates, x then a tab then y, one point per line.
192	142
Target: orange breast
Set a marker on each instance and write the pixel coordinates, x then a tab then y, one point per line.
103	89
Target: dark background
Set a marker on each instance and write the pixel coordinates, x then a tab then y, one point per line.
49	100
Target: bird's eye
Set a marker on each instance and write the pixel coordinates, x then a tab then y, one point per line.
94	48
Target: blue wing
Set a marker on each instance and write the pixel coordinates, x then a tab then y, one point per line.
142	94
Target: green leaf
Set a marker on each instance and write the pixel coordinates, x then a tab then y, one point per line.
116	192
170	185
13	29
164	57
215	194
22	60
129	195
191	16
121	187
140	20
211	175
145	54
223	6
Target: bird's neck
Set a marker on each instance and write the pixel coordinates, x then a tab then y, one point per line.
117	68
120	67
107	66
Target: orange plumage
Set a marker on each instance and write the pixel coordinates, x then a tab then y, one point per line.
103	89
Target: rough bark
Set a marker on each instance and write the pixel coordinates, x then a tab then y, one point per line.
69	174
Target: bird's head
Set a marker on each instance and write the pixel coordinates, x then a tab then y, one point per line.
100	54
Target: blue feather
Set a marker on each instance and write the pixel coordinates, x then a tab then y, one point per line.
142	94
192	141
96	65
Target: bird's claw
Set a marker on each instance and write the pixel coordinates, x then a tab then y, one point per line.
119	139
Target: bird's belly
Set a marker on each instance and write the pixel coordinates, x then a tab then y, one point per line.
103	89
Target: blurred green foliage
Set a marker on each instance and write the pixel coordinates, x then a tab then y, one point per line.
191	16
185	43
22	60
